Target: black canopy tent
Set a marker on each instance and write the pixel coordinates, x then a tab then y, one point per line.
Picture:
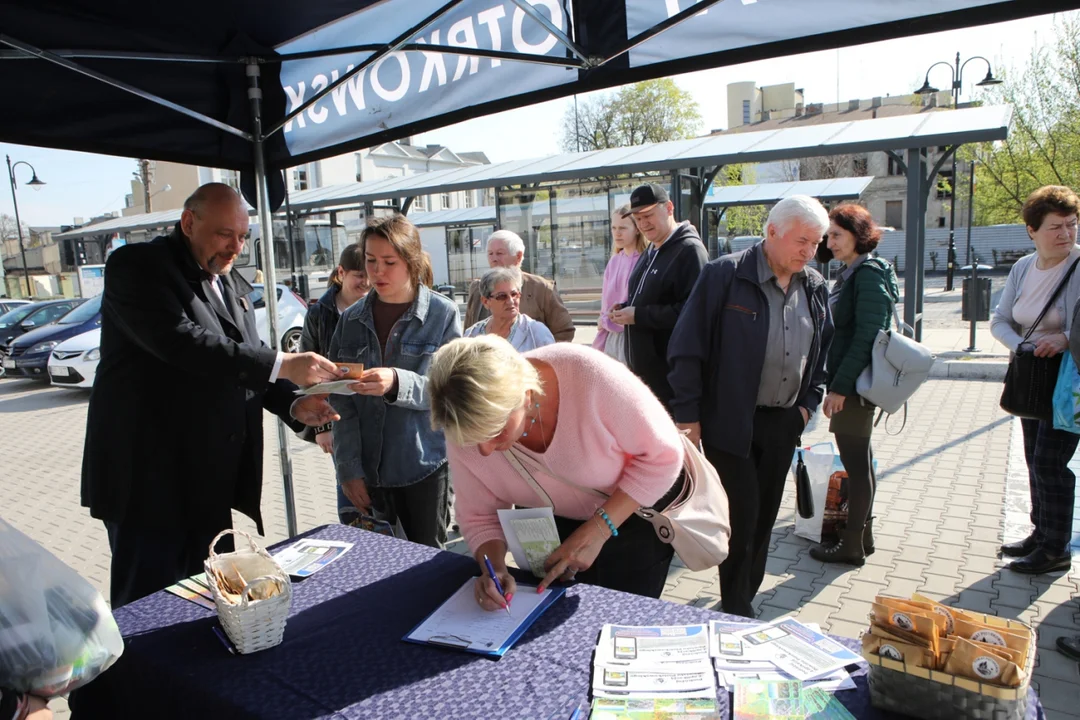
258	84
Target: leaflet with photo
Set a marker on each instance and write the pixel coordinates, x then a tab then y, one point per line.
691	678
531	536
798	650
309	556
655	708
625	644
761	699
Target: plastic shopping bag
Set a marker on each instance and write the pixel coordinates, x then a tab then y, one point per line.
1067	396
819	465
56	632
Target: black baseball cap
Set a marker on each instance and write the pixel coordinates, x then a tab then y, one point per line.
647	195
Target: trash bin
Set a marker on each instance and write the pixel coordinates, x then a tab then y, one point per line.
979	300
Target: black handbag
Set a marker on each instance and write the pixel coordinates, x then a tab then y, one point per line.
804	497
1030	380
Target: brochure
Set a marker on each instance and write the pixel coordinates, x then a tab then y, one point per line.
775	700
655	708
333	387
819	704
683	679
624	644
796	649
194	589
306	557
531	536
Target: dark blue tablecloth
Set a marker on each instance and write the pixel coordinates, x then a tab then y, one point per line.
343	657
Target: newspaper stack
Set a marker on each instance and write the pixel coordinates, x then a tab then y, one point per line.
653	672
783	650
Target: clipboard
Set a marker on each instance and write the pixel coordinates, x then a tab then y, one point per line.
461	624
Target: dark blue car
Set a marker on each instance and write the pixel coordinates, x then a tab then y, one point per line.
28	355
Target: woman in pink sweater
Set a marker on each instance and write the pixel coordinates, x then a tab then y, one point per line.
629	244
578	421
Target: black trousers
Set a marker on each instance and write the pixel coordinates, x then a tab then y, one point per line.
636	561
755	486
1053	484
423	508
147	559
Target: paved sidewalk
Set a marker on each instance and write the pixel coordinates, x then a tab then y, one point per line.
950	483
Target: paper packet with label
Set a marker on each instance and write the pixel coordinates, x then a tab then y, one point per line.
911	621
979	662
907	653
1017	640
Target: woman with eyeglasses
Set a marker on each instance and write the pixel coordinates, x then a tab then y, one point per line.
500	292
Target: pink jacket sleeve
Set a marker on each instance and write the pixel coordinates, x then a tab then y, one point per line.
643	430
476	507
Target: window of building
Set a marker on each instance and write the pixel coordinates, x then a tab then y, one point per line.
944	184
231	178
894	166
860	167
894	214
941	222
300	179
746	112
420	203
446	201
469	198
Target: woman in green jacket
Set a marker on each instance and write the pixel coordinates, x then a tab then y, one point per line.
861	302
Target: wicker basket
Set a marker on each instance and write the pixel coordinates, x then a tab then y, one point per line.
252	625
935	695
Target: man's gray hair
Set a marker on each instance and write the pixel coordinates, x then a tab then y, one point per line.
497	276
801	209
514	243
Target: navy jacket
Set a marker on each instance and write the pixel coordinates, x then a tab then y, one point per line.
718	349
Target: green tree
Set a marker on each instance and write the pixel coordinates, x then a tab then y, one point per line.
742	219
1043	147
646	112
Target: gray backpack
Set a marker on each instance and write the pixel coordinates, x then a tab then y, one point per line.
898	366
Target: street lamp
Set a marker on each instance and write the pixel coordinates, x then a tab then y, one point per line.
37	185
957	71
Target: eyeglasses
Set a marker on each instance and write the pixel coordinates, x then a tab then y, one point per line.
503	297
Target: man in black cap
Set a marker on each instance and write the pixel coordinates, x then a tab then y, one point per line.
659	285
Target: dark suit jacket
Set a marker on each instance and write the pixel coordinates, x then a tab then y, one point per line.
174	432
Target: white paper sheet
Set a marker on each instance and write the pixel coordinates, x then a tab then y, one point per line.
334	387
679	679
531	535
461	623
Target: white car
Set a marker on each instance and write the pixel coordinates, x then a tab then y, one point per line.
74	362
291	311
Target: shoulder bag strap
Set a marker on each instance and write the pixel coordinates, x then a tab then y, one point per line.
547	471
1050	302
527	476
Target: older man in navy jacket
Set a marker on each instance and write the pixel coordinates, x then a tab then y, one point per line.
747	364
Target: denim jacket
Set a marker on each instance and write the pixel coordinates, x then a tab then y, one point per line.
391	443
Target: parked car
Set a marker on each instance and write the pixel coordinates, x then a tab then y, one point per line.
28	355
74	362
32	316
9	305
291	310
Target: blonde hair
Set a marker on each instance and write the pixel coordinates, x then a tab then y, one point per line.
640	243
474	384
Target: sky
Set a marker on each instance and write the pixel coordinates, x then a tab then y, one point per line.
85	185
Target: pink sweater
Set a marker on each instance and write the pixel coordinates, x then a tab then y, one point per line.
616	289
612	434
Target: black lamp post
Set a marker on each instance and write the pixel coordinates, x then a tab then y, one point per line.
957	82
36	184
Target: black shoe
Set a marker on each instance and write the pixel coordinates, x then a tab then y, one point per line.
868	537
1020	549
1040	561
1069	647
848	551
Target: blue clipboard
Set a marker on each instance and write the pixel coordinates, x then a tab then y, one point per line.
448	625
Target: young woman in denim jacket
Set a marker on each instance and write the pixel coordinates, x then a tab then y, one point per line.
386	454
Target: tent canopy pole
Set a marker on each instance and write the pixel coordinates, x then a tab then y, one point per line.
266	232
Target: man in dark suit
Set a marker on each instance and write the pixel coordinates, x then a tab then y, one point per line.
174	436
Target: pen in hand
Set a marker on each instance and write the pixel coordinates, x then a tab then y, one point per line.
498	585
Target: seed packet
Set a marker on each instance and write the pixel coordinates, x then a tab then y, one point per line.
899	651
1016	639
976	661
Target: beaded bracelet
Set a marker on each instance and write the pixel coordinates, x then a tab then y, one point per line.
611	526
